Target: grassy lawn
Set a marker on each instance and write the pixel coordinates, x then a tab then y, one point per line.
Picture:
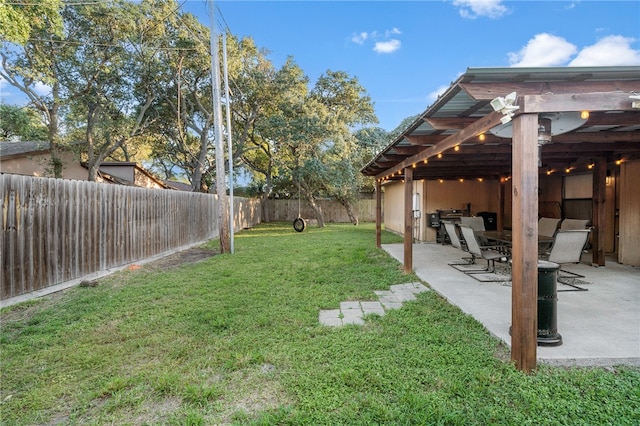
235	339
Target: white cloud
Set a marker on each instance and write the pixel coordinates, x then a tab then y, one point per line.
391	32
612	50
387	46
472	9
41	88
544	50
433	96
360	37
383	43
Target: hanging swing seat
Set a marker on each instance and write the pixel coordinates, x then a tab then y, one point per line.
299	224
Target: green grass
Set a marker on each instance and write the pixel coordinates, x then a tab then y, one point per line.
235	339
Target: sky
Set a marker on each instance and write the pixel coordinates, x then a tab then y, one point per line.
405	53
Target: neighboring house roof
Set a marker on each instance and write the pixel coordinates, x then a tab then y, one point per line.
129	173
9	150
464	111
123	173
180	186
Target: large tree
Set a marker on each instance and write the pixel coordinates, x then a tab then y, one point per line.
20	18
111	75
22	124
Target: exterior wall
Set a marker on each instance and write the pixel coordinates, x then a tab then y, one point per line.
393	213
483	196
629	249
37	165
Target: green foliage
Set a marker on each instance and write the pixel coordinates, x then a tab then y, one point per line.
235	339
18	19
20	124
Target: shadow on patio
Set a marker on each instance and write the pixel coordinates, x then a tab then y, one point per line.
600	326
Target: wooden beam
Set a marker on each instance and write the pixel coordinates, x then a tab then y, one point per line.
481	125
408	220
489	91
524	297
425	140
605	101
598	211
378	213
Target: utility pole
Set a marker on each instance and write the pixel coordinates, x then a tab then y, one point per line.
221	190
229	143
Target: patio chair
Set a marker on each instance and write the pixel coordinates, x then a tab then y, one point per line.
547	227
450	228
473	246
477	224
568	246
570	224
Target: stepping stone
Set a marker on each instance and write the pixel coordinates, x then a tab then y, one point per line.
347	306
389	300
331	318
372	308
415	288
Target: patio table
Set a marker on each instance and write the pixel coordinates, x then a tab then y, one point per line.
505	237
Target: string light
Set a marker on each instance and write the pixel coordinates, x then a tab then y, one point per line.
456	148
584	115
440	155
482	137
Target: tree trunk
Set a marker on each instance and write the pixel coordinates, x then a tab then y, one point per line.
54	136
349	207
268	187
317	210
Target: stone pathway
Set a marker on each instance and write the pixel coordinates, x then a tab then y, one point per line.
354	312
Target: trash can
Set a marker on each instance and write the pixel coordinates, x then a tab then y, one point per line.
547	304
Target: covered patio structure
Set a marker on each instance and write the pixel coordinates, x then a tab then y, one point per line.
513	129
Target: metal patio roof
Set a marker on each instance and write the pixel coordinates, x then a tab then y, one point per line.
612	130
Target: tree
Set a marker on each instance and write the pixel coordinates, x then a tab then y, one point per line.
20	18
109	75
21	124
343	104
36	63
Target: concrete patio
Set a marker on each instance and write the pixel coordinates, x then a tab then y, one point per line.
599	327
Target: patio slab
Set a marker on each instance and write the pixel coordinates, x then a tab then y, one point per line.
599	327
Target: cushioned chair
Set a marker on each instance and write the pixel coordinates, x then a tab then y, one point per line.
473	246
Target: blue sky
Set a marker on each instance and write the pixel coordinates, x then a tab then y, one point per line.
405	53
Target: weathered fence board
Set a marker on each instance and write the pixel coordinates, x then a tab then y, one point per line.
55	230
287	210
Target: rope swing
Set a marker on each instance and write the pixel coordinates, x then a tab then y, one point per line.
298	223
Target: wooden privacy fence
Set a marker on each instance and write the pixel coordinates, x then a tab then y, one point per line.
55	230
287	210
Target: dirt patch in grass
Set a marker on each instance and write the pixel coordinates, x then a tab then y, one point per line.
184	257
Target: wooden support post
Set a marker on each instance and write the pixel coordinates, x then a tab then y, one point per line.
524	290
378	213
598	216
408	220
501	189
